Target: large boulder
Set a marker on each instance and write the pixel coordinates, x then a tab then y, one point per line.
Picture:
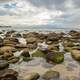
3	64
8	74
76	54
51	75
55	57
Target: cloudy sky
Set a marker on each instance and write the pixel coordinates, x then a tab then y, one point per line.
40	12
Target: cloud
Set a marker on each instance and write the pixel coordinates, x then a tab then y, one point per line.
40	12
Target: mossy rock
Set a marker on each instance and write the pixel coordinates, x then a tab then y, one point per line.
38	53
51	75
55	57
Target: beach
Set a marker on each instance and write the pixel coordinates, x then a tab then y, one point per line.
36	52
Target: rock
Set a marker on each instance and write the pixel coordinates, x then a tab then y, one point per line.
75	34
3	64
20	46
7	55
38	53
25	53
72	32
13	60
67	49
51	75
10	41
76	54
76	48
1	52
13	39
40	41
49	42
32	46
1	42
55	57
42	36
8	51
30	34
53	36
34	76
69	44
8	74
17	35
52	47
31	40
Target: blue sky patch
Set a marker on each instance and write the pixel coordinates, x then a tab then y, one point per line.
10	5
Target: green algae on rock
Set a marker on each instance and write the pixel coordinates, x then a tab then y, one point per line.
55	57
38	53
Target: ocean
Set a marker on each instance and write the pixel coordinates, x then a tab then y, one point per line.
38	29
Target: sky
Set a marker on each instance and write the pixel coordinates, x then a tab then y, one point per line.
63	13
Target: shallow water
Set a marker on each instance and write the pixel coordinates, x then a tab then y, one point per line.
68	69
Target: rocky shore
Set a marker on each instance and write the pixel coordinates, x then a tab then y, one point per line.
39	56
